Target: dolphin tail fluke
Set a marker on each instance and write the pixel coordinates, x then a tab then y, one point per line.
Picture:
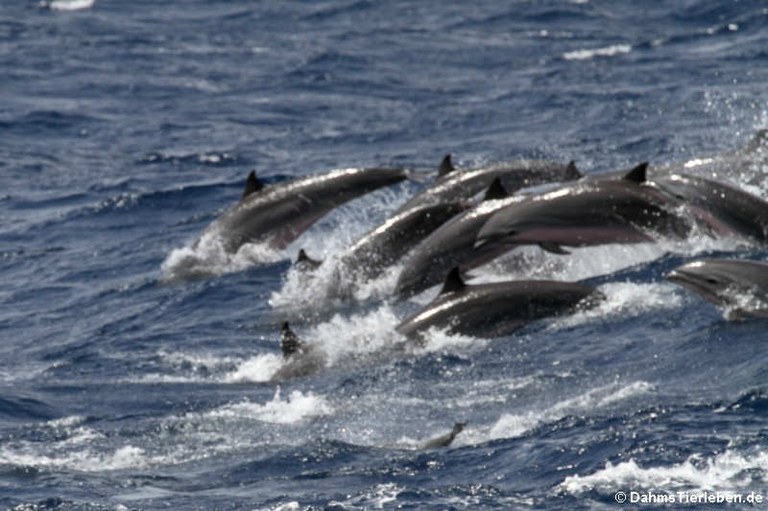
446	166
289	342
252	184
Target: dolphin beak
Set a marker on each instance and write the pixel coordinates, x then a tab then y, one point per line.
678	277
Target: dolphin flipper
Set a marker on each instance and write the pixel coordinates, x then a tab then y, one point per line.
553	248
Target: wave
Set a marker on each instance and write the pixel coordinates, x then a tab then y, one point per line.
515	425
726	471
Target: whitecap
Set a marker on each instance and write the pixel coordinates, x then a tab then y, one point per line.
608	51
70	5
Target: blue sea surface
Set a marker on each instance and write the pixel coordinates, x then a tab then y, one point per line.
126	127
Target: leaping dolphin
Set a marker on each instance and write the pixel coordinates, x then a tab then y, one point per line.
498	309
724	209
740	287
280	213
601	212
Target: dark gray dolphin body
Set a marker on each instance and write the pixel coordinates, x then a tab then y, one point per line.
444	440
300	359
495	310
722	208
280	213
454	185
612	211
740	287
452	244
388	243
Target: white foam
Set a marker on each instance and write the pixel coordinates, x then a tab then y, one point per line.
436	340
209	258
260	368
726	471
71	5
608	51
85	460
297	407
360	334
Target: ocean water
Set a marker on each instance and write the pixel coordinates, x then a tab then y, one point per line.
127	126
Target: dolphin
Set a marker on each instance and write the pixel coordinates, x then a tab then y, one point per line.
279	213
444	440
387	244
300	359
452	184
738	286
746	163
724	209
495	310
595	213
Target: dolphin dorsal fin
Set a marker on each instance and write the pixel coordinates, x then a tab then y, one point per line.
496	190
302	257
252	184
289	342
453	282
572	171
446	166
637	174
